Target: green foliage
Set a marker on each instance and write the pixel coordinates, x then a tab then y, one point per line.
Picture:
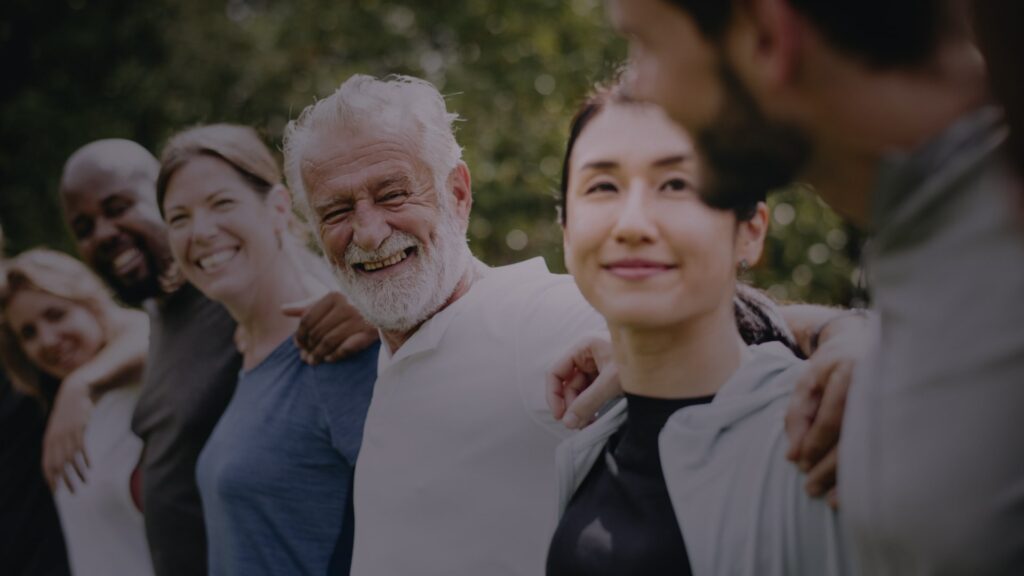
514	70
810	255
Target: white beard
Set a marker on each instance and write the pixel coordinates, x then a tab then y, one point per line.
399	303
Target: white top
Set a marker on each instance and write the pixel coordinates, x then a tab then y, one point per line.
103	530
456	474
740	505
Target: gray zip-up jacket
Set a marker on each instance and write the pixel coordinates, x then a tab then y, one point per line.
740	504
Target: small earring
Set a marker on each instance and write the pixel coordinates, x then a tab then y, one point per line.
280	242
743	266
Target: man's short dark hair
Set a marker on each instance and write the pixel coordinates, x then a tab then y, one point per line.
881	33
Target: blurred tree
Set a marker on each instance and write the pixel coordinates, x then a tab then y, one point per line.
514	69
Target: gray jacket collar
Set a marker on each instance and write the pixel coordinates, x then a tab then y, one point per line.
749	389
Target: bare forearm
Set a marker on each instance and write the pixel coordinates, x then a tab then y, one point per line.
122	360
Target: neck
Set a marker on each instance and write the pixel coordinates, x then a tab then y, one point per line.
867	114
690	359
258	310
394	339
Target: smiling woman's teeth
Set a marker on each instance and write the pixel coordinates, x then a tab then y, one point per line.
371	266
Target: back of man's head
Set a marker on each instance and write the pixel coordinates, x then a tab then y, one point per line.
880	33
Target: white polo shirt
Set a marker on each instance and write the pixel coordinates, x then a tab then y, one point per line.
456	474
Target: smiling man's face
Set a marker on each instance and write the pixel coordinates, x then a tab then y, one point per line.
399	246
117	227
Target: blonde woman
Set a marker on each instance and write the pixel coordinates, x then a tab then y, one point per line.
275	476
57	318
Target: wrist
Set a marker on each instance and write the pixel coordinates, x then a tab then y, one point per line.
826	329
81	381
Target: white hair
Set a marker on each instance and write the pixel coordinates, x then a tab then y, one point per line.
363	103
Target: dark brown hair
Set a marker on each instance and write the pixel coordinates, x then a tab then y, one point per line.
881	33
757	315
592	106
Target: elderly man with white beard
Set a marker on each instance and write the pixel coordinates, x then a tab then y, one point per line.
456	470
456	474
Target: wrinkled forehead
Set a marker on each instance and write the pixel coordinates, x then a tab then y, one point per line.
341	162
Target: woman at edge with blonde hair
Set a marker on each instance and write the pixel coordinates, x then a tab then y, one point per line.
275	476
57	317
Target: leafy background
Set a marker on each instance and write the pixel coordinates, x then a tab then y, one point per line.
79	70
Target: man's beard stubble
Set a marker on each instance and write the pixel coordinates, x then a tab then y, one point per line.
134	293
401	303
745	154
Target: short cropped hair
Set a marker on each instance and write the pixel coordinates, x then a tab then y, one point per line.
363	103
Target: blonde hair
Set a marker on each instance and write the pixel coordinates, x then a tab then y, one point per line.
56	274
239	146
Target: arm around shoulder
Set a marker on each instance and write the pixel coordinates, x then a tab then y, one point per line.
120	363
343	391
